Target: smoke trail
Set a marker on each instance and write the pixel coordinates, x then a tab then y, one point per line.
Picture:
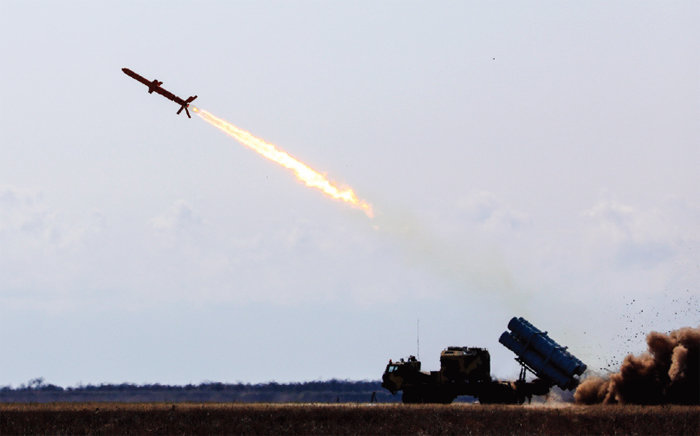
668	373
469	265
303	172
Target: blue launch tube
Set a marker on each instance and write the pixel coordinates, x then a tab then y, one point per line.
537	363
553	353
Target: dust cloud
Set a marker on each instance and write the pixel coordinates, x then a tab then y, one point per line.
667	374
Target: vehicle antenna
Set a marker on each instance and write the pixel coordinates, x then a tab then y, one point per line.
418	338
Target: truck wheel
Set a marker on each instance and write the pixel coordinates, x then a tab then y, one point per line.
446	399
497	393
436	396
411	397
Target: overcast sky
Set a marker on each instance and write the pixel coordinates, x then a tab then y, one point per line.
536	159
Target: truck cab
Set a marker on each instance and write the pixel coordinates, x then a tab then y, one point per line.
398	373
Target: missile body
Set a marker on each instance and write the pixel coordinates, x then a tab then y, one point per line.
154	86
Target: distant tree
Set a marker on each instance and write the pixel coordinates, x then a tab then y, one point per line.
36	383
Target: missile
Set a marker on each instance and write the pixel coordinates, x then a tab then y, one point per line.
154	86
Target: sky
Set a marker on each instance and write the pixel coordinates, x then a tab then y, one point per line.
538	159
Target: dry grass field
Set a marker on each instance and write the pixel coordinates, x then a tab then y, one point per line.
188	418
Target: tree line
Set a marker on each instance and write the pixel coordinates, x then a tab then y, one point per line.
345	391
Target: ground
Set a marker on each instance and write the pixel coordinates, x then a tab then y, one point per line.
179	418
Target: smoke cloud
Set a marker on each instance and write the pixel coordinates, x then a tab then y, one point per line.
667	373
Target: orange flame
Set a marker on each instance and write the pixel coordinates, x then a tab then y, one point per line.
303	172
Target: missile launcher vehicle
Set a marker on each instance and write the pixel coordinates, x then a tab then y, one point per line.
467	371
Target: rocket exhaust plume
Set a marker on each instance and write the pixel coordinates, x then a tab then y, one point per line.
303	172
